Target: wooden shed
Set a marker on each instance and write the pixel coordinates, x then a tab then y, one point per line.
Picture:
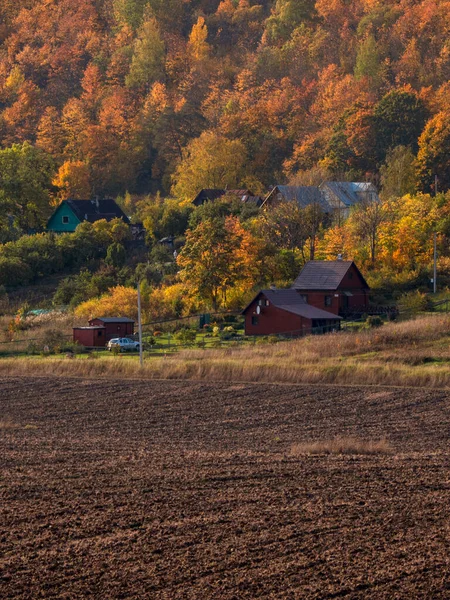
114	326
90	337
285	312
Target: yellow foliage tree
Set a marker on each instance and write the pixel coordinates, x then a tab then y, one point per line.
73	180
120	301
198	47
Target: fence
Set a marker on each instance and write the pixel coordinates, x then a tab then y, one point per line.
167	343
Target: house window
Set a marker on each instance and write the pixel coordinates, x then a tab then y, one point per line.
350	275
267	303
65	220
254	320
328	300
304	297
260	302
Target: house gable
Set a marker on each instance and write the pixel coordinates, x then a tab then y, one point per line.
329	275
63	220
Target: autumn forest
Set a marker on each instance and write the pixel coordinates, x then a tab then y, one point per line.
149	101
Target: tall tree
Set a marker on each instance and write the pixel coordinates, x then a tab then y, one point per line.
210	161
25	184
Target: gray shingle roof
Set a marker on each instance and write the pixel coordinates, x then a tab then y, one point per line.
209	195
304	195
323	275
113	320
291	301
350	192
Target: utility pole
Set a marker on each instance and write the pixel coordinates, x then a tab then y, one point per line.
434	265
141	355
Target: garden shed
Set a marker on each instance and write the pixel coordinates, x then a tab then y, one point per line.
90	337
114	326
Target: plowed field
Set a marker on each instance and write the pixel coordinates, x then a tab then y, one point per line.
170	490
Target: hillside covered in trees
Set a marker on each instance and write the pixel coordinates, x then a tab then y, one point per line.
176	95
146	100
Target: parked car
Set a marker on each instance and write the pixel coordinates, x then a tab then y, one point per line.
123	344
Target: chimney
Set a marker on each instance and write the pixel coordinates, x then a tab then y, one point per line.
339	257
273	287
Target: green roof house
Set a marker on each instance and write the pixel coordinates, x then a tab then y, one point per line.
70	213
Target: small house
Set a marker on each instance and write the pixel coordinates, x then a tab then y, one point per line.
336	286
342	196
285	312
101	330
114	326
90	337
303	195
70	213
210	195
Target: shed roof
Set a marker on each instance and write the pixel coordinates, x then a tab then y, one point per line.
95	210
324	275
291	301
304	195
113	320
350	192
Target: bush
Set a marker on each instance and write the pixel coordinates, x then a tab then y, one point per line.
54	340
186	336
414	302
374	321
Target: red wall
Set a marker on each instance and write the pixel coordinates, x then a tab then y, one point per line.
90	338
354	284
273	320
114	330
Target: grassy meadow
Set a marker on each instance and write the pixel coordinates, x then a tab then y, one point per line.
410	353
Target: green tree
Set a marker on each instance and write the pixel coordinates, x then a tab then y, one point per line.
129	12
398	174
147	64
210	261
116	255
368	62
26	175
286	16
399	119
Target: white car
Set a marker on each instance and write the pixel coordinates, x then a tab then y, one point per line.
124	345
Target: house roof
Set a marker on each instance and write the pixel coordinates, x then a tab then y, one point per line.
304	195
324	275
94	210
113	320
291	301
350	192
211	194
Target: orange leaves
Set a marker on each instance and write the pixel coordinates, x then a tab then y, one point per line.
73	179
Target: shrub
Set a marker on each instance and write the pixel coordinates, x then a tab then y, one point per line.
186	336
374	321
55	340
414	302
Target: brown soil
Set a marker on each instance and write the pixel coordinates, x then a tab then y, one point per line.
170	490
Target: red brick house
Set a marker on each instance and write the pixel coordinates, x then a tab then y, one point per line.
285	312
336	286
101	330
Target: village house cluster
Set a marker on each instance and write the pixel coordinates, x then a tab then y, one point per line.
323	293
